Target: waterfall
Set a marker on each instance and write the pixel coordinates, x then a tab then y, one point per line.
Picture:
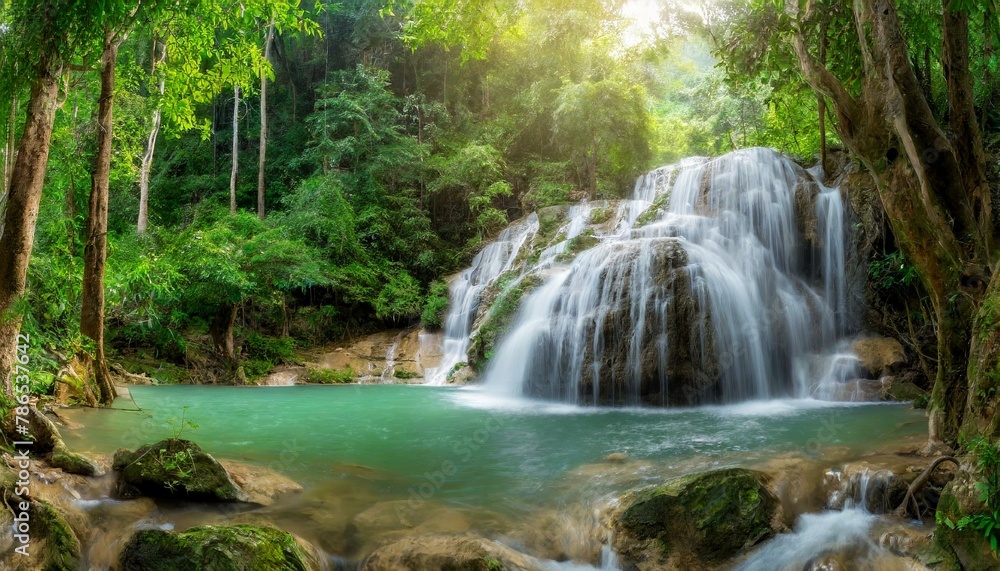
718	281
466	290
389	371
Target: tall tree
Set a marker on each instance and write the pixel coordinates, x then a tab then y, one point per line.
47	34
95	250
235	171
160	55
268	39
931	185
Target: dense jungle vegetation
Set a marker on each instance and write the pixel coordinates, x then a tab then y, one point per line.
294	172
206	184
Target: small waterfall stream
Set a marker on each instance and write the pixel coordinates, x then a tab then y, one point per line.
465	293
839	539
722	281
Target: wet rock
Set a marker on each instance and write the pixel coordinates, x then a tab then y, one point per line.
901	537
709	517
828	562
881	481
47	438
900	390
448	553
966	549
571	533
220	548
174	468
798	484
463	375
53	544
391	521
262	485
285	375
879	356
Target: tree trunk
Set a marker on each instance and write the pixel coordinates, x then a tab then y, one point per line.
8	155
925	187
821	101
263	125
591	161
236	151
95	251
222	333
26	180
147	158
967	139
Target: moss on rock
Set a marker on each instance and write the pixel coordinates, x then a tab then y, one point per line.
214	548
498	319
74	463
54	545
174	468
62	544
49	440
711	516
965	549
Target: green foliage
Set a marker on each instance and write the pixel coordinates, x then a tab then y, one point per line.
988	485
179	424
318	212
264	353
357	125
476	169
549	185
400	298
605	126
892	271
274	349
436	306
330	376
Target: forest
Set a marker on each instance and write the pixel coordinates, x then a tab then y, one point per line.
693	206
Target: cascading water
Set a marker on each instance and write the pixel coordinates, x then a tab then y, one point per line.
720	281
465	293
841	539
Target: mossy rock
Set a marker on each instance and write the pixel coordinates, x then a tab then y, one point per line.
174	468
48	439
964	549
447	553
54	546
499	318
214	548
74	463
711	516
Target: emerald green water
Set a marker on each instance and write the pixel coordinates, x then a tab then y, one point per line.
466	448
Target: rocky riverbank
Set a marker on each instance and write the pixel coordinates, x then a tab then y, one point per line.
171	502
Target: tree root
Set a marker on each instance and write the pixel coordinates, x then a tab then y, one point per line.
918	485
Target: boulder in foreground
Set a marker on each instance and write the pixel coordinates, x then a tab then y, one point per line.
703	518
174	468
215	548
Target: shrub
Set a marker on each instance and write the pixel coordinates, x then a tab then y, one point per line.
330	376
436	305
